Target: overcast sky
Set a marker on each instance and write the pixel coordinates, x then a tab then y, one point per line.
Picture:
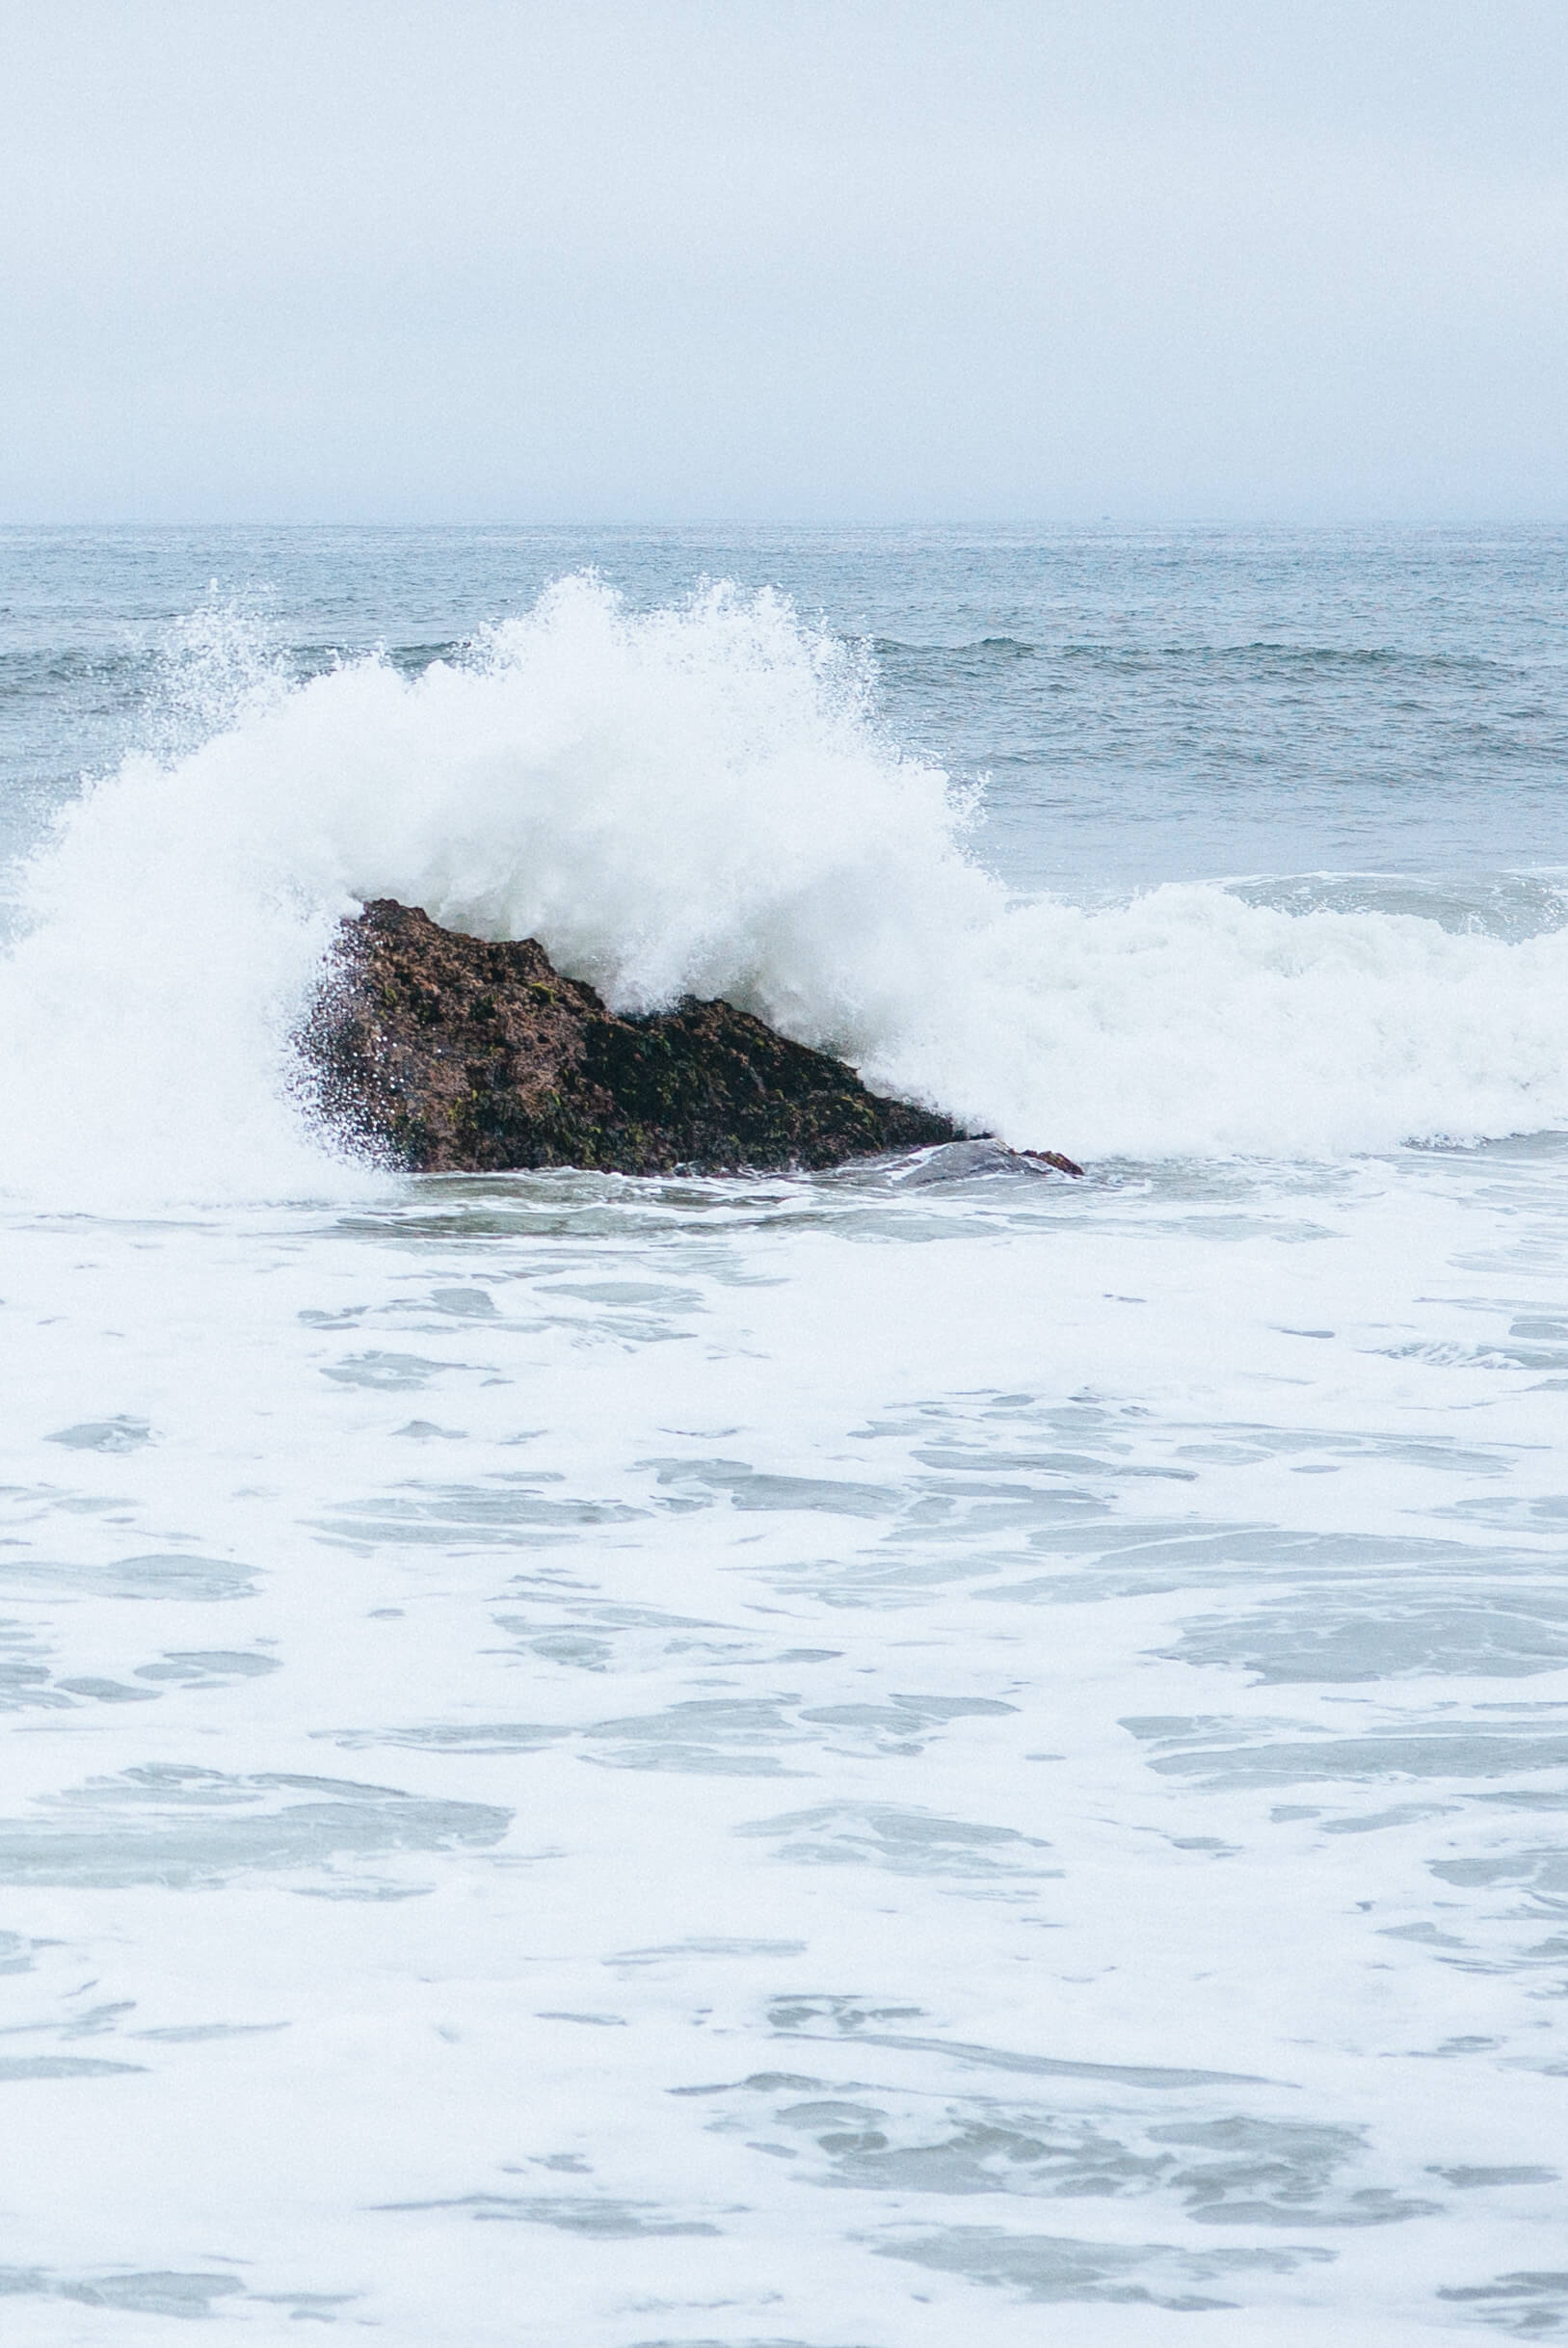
874	260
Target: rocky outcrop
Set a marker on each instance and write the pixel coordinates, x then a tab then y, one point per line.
450	1054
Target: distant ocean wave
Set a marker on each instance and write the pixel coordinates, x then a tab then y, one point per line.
1267	658
996	648
45	671
1259	653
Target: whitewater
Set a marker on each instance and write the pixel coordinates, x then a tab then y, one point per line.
802	1762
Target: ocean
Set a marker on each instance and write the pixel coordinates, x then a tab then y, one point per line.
849	1761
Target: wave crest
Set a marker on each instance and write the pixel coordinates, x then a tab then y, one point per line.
700	799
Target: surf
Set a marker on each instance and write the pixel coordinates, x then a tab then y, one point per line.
700	798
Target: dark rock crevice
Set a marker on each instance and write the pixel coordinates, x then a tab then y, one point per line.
447	1054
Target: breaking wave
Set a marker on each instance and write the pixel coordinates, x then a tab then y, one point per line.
697	799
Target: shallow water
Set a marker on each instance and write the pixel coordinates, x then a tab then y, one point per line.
824	1761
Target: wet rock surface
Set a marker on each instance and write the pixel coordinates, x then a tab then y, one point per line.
971	1160
452	1053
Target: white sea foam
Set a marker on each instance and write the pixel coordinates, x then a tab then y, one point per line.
699	799
894	1767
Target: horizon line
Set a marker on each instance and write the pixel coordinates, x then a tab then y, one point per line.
1043	523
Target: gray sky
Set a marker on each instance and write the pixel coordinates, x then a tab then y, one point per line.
783	259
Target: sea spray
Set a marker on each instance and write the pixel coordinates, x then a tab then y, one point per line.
700	798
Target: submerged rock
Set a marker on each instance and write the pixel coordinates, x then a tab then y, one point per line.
968	1161
453	1054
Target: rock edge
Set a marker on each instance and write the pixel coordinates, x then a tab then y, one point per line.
450	1053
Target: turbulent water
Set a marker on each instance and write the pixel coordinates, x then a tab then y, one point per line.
812	1763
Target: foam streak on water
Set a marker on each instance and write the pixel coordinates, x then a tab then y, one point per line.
860	1762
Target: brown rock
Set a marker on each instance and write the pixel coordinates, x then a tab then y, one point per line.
450	1054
